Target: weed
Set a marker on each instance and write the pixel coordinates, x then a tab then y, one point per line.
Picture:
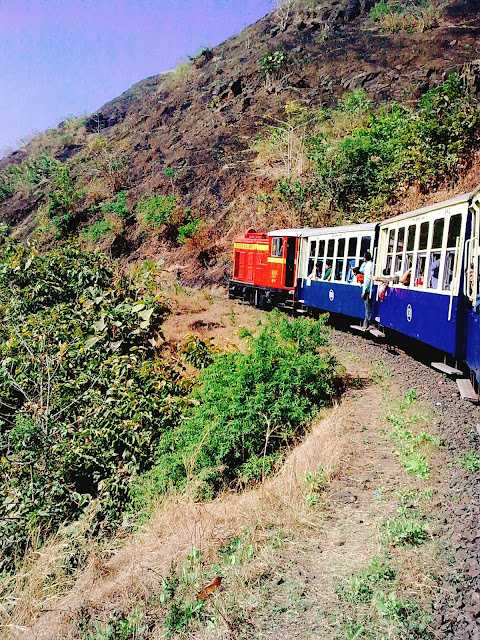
470	461
96	231
411	396
317	482
362	586
243	332
400	531
154	211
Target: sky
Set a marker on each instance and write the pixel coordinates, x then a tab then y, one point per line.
69	57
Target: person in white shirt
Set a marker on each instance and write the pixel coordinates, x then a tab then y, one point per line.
367	270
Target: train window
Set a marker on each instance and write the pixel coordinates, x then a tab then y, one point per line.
330	248
351	258
352	247
328	270
448	273
391	240
411	237
399	253
339	268
319	265
420	270
454	230
422	244
388	265
391	243
236	263
434	268
454	227
311	259
277	247
341	247
364	245
437	238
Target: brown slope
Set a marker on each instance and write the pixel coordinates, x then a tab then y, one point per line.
206	124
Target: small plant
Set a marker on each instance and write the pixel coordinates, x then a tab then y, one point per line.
179	76
96	231
318	482
154	211
470	461
362	586
411	396
118	207
188	229
243	332
401	531
197	352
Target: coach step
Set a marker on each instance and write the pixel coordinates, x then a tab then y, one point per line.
466	390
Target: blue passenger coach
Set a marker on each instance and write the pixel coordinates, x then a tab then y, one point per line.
421	257
326	260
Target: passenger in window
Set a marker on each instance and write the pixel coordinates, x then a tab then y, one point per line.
358	275
350	271
367	270
434	271
405	278
328	272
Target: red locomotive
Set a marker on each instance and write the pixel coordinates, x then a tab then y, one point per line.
264	268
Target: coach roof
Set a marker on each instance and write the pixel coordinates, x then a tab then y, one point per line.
307	231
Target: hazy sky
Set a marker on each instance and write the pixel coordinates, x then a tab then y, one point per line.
68	57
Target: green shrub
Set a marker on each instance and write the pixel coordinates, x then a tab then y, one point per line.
247	406
470	461
154	211
96	231
61	202
118	207
85	400
188	229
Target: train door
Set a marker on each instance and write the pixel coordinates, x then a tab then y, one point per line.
290	263
471	286
250	259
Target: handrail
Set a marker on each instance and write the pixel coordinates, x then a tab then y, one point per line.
466	279
453	285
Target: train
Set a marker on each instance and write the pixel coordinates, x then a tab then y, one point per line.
426	274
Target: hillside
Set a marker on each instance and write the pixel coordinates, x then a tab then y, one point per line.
192	134
174	464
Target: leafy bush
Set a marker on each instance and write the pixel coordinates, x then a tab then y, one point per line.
61	202
188	229
28	174
356	160
272	61
154	211
395	148
118	207
247	406
96	231
84	399
408	15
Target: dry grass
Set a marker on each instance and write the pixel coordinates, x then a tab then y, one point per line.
178	77
176	526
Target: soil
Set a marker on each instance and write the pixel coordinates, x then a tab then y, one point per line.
203	127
